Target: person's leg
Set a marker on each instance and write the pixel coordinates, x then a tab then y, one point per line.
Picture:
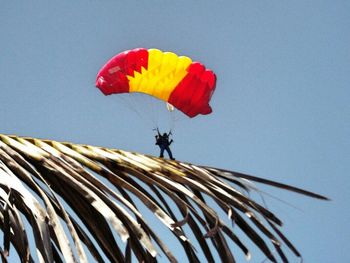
161	155
169	153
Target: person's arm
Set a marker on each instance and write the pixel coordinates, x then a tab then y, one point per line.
156	129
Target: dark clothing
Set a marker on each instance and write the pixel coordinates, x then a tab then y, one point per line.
164	147
163	142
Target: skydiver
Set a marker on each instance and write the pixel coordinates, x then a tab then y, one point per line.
163	142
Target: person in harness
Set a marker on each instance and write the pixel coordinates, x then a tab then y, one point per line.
163	142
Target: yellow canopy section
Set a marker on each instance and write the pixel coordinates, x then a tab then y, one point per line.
165	70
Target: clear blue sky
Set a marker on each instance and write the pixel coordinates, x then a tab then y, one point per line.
281	108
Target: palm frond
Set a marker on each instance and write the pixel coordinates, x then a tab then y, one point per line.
78	197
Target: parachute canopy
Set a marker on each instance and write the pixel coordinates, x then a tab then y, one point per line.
186	85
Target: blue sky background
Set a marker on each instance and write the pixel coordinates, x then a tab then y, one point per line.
281	109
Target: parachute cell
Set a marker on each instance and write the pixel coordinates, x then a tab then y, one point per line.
186	85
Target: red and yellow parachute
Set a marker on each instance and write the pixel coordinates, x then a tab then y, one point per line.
186	85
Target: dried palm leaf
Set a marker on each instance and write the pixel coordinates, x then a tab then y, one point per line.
82	197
